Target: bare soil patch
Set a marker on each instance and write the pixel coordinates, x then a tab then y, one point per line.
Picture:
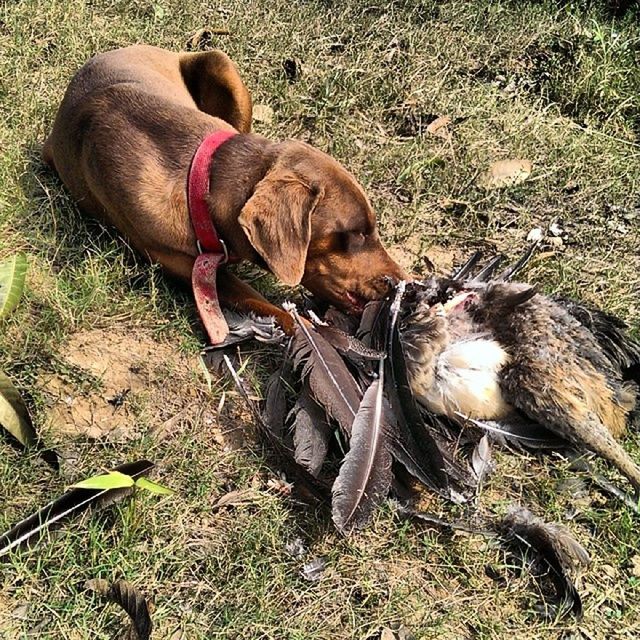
118	384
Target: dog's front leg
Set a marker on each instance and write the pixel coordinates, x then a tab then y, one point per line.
236	294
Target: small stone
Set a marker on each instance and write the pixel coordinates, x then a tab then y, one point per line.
556	230
535	235
262	113
556	242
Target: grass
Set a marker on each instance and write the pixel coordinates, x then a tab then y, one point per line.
553	82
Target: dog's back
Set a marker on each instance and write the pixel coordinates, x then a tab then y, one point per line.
131	118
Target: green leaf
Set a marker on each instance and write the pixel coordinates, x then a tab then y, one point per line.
111	480
12	273
154	487
206	373
14	416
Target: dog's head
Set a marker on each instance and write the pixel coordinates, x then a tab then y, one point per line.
311	223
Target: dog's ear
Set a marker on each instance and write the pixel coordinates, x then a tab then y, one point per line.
277	221
216	87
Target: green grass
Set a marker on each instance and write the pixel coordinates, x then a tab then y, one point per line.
553	82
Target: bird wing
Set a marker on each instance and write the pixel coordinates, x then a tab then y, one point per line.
611	334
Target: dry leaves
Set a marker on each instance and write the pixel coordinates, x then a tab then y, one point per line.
262	113
440	127
505	173
235	498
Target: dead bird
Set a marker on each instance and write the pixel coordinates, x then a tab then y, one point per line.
497	351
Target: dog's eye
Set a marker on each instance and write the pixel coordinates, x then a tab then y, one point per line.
351	240
356	239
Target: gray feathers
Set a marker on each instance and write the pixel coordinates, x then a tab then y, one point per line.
555	545
311	433
365	474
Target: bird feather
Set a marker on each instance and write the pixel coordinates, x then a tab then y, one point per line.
481	459
553	544
71	503
329	379
486	273
365	474
412	444
309	486
311	433
463	271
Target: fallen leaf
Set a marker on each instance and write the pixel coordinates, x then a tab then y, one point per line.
439	127
505	173
262	113
14	416
111	480
153	487
12	274
387	634
202	39
234	498
635	566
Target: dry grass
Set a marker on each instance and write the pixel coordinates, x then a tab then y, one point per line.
554	82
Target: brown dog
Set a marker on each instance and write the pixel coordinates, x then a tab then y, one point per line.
123	141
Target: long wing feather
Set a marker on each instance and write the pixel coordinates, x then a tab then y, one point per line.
71	503
308	486
518	432
512	270
275	399
610	332
365	475
371	330
348	345
412	443
555	545
330	382
467	267
311	433
578	463
486	273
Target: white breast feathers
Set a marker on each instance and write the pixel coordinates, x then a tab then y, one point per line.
464	380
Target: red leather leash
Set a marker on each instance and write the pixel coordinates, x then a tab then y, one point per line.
212	250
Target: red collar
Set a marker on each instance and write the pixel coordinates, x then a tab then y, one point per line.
213	252
199	172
